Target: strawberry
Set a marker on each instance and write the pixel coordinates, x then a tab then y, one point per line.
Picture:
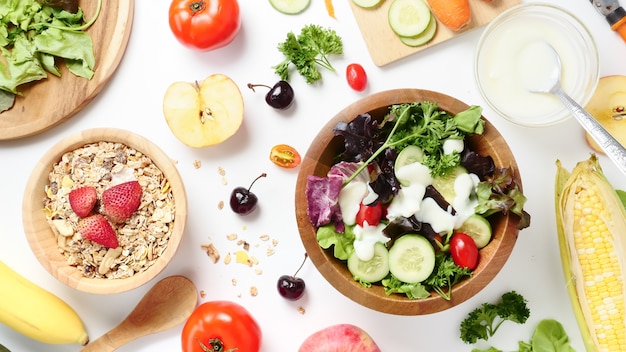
98	229
82	200
121	201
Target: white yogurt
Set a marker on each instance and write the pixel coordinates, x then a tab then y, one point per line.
502	68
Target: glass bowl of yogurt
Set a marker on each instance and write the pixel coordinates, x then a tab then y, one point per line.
499	68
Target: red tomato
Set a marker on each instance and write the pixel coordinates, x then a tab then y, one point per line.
224	324
356	76
204	24
285	156
370	213
464	251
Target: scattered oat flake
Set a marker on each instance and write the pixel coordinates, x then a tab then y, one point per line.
220	205
264	237
231	236
254	260
197	164
202	294
227	259
224	181
270	251
258	271
274	242
233	282
301	310
221	171
211	251
246	245
254	291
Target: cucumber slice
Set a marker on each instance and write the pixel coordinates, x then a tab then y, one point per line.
411	259
409	155
426	36
408	18
290	7
367	3
478	228
445	184
372	270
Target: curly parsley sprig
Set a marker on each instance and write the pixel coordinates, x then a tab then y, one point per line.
308	50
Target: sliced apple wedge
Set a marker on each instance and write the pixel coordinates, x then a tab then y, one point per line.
608	106
206	113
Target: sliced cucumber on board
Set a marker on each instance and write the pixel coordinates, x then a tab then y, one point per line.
426	36
290	7
408	18
367	3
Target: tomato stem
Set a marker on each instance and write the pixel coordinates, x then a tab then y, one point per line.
197	6
216	345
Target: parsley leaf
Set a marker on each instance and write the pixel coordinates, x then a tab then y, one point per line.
308	50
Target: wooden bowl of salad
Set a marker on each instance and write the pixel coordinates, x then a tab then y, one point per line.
367	234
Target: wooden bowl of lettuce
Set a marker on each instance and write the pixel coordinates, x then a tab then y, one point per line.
354	134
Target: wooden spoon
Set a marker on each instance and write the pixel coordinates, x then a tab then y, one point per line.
168	303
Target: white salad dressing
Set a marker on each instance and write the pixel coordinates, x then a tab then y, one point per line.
439	219
451	145
464	197
409	201
350	200
503	67
366	238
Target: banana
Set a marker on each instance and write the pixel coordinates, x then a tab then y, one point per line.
37	313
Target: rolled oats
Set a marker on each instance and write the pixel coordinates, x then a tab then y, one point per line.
142	239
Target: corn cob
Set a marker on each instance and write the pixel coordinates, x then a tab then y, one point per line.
591	223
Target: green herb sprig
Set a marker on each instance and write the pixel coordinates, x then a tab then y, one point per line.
308	50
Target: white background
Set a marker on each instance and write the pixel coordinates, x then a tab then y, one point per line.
132	100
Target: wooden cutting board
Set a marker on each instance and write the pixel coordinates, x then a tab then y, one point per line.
49	102
385	47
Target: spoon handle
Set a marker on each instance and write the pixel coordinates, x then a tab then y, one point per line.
613	149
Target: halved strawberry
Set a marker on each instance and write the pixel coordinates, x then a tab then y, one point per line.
98	229
82	200
121	201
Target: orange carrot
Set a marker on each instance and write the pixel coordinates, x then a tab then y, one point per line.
330	8
454	14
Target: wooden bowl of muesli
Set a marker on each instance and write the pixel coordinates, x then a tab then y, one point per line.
147	240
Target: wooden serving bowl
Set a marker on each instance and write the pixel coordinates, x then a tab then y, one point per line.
42	238
320	157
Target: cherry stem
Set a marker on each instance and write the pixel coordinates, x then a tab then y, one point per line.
251	86
258	177
306	255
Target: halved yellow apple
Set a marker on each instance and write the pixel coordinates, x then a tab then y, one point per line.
608	106
206	113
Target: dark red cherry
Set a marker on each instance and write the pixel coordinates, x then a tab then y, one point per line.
292	287
280	96
242	201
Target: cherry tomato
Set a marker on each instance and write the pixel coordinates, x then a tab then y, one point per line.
370	214
464	251
221	326
285	156
204	24
356	76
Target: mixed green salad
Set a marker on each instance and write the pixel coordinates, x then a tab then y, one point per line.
407	203
34	35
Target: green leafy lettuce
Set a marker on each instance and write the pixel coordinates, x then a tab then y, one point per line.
33	36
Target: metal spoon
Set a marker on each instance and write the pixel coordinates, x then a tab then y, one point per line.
168	303
550	82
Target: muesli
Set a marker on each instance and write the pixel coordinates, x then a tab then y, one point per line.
142	238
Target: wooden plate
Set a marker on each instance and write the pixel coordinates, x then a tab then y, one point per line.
320	157
43	241
385	47
46	103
